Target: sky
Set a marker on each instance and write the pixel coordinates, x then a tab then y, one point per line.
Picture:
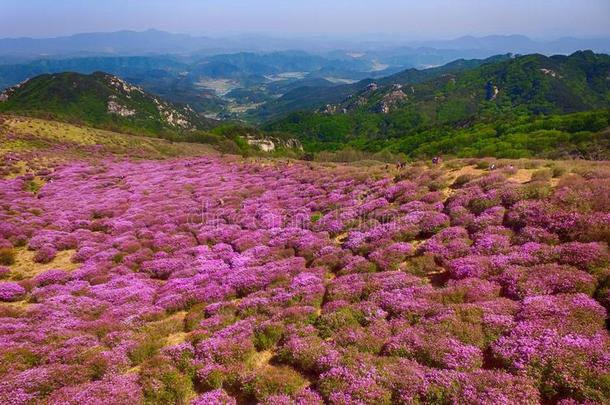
417	19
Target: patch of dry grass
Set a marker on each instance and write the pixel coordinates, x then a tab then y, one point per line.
25	267
33	134
523	176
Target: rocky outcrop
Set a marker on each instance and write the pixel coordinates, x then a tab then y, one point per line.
271	143
117	109
391	100
121	84
6	94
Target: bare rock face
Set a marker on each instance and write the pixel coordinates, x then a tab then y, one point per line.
171	115
372	87
329	109
6	94
269	143
265	145
117	109
391	100
120	84
391	97
174	117
551	73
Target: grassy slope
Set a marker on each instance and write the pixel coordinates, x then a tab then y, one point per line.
32	135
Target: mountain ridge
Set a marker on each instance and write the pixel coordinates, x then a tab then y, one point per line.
98	99
451	112
129	42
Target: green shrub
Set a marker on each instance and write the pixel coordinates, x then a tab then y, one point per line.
267	337
118	258
462	180
162	383
153	338
535	190
482	165
558	171
272	380
422	266
145	349
17	359
542	175
478	205
315	217
328	324
194	316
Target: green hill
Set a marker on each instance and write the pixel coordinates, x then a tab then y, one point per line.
313	96
473	111
100	100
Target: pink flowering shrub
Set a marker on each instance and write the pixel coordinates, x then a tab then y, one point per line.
434	351
215	397
521	282
117	390
51	277
11	291
342	385
390	257
45	254
211	280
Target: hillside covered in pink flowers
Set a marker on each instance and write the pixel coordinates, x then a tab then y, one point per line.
221	280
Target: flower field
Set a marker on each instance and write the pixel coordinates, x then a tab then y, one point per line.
215	280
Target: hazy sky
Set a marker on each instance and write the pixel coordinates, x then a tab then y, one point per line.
422	19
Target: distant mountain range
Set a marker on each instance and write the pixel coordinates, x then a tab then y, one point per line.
133	43
100	100
519	44
256	78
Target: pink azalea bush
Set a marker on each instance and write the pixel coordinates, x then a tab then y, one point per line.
11	291
217	281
